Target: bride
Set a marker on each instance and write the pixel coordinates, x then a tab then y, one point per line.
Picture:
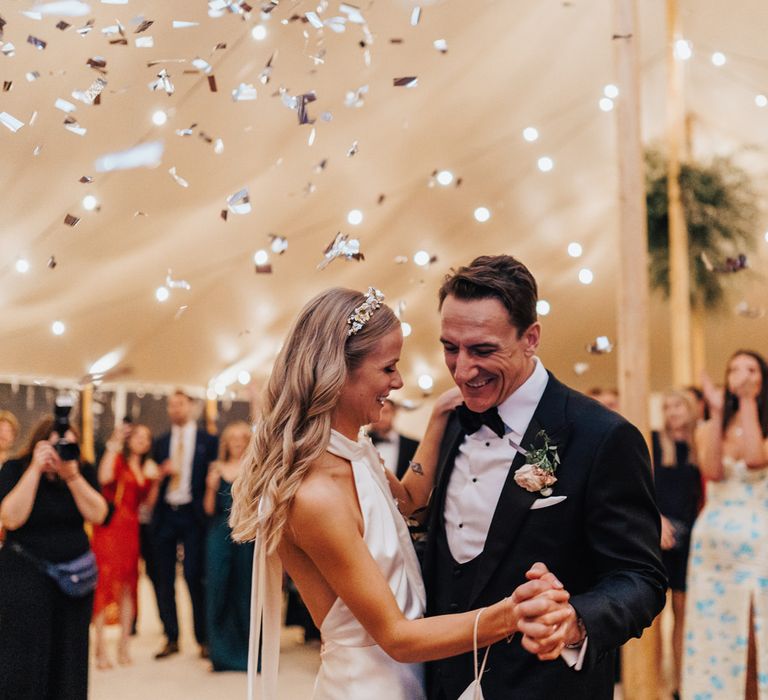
317	500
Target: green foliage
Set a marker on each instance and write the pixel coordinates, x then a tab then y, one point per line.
721	213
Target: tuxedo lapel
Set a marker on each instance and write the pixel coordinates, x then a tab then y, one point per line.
514	501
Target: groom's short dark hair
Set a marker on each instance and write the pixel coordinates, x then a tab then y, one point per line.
499	277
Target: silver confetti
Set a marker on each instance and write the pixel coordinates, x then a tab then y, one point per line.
342	246
600	346
144	42
278	244
239	202
354	98
353	149
580	368
63	9
163	82
176	284
243	93
180	180
145	155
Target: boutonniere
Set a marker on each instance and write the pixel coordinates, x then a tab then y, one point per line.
538	472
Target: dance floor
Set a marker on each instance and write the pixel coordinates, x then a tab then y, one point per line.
185	675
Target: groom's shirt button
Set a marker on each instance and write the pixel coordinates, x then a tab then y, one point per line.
474	479
487	444
461	524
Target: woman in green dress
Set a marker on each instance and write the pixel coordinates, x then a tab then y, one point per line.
229	565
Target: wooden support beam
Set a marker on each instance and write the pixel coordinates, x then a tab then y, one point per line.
639	674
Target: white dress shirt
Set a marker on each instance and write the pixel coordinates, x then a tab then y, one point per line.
182	495
479	473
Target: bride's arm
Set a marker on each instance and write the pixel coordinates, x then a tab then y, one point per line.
413	490
323	526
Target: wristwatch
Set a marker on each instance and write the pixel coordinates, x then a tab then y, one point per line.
582	634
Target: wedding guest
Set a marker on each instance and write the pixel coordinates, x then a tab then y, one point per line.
608	397
228	564
726	637
395	449
9	431
125	476
44	501
678	496
183	454
696	396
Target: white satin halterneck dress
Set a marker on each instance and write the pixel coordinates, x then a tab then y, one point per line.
352	665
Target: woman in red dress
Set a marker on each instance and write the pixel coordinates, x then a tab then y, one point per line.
127	478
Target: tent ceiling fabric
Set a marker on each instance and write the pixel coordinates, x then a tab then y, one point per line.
509	65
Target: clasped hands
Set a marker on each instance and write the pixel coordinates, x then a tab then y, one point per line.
545	618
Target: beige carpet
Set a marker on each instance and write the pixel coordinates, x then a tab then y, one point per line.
186	676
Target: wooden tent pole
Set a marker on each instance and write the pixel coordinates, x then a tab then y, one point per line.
87	448
639	676
679	275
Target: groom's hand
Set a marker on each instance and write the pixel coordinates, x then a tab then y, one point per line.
547	634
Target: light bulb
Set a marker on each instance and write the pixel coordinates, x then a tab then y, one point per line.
159	117
718	59
22	265
611	91
575	250
421	258
445	177
58	328
683	50
545	164
542	307
482	214
530	134
425	382
261	257
585	275
355	217
761	100
90	202
606	104
244	377
220	388
162	294
259	32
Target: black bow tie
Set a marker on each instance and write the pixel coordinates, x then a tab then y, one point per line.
471	422
377	439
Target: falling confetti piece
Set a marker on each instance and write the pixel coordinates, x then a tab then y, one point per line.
62	9
176	284
63	26
86	179
51	264
8	50
353	149
354	98
7	85
86	28
32	76
743	308
218	147
731	265
239	203
408	82
71	124
244	93
441	45
71	220
180	180
381	199
262	268
180	311
415	16
314	20
146	24
321	165
401	259
163	82
144	42
341	246
37	43
145	155
64	106
278	244
91	95
10	122
97	63
181	24
600	346
352	12
580	368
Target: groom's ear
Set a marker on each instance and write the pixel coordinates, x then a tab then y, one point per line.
531	339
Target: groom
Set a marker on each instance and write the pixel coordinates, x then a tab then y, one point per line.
583	505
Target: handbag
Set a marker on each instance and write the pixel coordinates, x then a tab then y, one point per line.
474	690
75	578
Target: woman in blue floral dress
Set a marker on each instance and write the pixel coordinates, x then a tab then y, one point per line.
726	620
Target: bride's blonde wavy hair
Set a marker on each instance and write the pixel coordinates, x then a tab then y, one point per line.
298	402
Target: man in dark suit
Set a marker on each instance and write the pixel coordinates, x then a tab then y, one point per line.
395	449
532	471
183	455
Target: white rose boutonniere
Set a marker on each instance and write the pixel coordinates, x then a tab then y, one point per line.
538	472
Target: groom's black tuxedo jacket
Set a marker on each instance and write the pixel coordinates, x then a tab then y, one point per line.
602	542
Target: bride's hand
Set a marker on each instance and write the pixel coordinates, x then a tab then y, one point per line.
447	401
714	397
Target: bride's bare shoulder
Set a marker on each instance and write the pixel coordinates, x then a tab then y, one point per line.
324	491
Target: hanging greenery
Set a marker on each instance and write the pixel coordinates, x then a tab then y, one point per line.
721	213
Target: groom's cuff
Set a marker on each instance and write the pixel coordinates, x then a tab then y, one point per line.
575	657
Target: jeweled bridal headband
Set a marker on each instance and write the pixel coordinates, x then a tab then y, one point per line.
362	314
